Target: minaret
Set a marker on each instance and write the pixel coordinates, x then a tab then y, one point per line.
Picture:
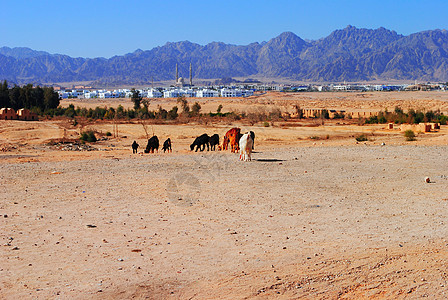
191	76
177	74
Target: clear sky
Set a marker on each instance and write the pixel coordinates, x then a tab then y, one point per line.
104	28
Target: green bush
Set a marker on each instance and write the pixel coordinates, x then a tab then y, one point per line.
409	135
108	133
266	124
88	136
361	138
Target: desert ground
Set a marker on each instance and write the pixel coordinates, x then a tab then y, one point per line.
314	215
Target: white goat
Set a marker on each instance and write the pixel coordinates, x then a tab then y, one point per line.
246	143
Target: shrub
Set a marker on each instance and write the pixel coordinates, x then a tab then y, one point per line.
195	109
88	136
266	124
409	135
442	119
172	114
361	138
108	133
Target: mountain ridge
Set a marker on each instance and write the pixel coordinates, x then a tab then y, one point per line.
349	54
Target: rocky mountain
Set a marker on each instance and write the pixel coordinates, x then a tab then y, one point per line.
21	52
349	54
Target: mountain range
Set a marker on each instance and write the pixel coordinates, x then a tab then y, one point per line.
350	54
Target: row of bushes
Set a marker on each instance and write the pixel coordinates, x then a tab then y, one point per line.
111	113
141	113
398	116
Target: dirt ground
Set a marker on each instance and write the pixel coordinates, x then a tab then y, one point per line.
314	215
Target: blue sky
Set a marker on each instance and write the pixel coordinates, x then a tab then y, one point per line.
100	28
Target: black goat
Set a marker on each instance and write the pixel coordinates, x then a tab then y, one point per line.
153	144
214	140
167	146
134	147
200	142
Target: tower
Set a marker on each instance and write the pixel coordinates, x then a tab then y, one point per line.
177	74
191	76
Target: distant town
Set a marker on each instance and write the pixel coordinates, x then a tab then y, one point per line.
238	90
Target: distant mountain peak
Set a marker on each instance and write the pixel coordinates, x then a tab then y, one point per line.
286	40
288	36
21	52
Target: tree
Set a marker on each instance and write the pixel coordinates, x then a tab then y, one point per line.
70	111
120	112
184	104
195	109
15	101
162	113
136	98
419	117
143	113
27	96
4	94
51	98
37	97
218	111
398	110
145	103
110	113
172	114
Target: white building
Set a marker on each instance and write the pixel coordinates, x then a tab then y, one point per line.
118	94
247	93
341	87
189	93
231	92
206	93
154	93
104	94
322	88
172	93
90	94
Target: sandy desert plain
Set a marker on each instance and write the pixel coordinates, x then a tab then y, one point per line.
311	218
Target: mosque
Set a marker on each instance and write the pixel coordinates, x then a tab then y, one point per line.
180	81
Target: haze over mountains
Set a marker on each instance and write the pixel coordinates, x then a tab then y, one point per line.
350	54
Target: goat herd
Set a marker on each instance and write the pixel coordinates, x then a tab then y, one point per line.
244	143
